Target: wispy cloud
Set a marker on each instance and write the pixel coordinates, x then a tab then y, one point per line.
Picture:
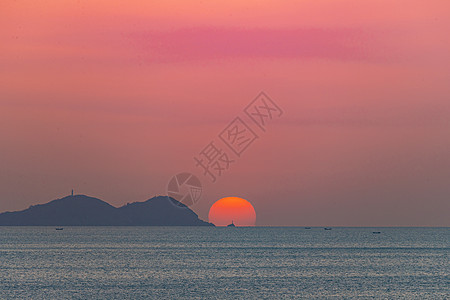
225	43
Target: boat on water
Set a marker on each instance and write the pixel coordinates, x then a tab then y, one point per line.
307	227
231	225
376	232
59	228
328	228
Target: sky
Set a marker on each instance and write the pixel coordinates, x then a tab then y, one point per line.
112	99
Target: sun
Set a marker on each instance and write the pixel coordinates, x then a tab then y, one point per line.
232	209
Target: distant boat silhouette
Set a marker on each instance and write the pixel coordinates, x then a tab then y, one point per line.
231	225
376	232
327	228
307	227
59	228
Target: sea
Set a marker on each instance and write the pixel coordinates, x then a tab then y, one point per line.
224	263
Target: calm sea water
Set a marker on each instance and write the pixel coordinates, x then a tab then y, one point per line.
223	263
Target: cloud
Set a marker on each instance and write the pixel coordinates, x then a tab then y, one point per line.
234	43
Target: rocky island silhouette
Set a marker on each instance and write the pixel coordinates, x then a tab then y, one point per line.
82	210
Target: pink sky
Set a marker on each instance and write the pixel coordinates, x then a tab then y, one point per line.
114	99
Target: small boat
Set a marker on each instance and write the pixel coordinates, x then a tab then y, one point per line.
59	228
231	225
328	228
307	227
376	232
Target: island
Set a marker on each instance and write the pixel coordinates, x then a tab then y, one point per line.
82	210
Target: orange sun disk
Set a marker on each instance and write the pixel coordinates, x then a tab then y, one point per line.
232	209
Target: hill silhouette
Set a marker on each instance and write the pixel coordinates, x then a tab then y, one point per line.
82	210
